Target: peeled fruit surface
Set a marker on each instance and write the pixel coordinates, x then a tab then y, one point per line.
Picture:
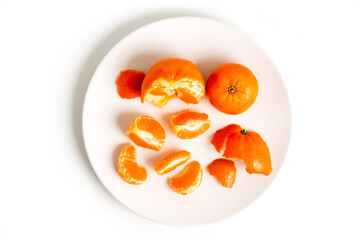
128	168
170	78
189	124
188	180
146	132
172	161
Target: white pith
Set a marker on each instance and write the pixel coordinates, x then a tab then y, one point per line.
173	163
191	125
149	138
158	101
123	170
194	87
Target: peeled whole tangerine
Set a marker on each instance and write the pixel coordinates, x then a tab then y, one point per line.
170	78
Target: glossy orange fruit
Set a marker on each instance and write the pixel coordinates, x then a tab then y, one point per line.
221	135
128	168
189	124
223	170
146	132
172	161
173	77
188	180
129	84
248	147
232	88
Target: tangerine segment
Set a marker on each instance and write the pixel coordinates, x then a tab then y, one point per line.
128	168
221	135
251	149
232	88
129	84
188	180
146	132
172	161
173	77
190	124
223	170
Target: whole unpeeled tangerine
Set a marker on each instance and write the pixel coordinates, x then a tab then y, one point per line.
232	88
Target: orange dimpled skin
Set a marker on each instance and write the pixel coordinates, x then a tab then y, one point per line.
223	170
129	84
173	77
172	161
251	149
146	132
232	88
128	168
246	146
189	124
221	135
188	180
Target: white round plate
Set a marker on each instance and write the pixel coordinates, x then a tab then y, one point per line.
106	117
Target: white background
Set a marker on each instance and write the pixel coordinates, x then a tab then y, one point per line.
48	53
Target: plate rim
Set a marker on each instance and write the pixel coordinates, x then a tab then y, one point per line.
135	32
